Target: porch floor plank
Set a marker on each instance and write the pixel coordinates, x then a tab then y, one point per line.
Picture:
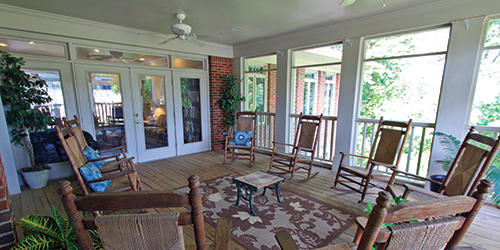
172	173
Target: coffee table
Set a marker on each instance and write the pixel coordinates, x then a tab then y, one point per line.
249	184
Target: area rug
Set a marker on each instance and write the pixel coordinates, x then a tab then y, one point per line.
311	223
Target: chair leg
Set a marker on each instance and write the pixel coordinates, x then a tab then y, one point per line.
366	183
337	177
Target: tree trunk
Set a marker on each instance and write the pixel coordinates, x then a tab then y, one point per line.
29	149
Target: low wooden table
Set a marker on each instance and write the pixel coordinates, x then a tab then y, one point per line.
251	183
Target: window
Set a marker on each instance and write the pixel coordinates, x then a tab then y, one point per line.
56	107
33	48
317	79
403	74
486	105
260	83
120	57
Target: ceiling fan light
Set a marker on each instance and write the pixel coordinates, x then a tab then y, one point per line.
236	28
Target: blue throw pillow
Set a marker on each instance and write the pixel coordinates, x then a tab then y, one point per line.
90	172
91	154
242	138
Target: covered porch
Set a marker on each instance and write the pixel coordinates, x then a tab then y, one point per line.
172	173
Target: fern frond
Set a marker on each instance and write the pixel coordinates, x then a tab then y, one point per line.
450	143
37	241
40	223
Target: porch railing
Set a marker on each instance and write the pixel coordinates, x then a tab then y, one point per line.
265	129
416	153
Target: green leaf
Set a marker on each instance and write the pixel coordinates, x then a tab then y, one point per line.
37	241
40	224
369	207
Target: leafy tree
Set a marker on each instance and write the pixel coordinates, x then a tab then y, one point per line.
229	99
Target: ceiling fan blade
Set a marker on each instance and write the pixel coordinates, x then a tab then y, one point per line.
347	2
124	60
208	37
196	42
168	40
99	57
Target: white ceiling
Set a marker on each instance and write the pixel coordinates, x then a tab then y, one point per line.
259	19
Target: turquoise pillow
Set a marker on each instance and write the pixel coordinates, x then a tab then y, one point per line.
90	172
91	154
242	138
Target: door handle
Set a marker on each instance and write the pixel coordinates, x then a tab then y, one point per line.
138	122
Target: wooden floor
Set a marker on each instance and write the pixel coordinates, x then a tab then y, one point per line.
173	173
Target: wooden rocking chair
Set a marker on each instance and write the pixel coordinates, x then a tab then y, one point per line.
144	231
386	151
303	149
472	162
80	137
437	224
242	142
121	173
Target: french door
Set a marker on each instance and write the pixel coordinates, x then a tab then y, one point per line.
106	106
191	111
151	113
154	114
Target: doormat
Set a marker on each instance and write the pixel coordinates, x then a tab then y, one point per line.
311	223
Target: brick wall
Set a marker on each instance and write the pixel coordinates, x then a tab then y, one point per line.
7	238
336	95
271	89
299	90
218	66
320	98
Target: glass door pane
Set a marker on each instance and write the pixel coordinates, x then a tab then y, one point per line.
154	114
191	113
192	110
108	109
154	111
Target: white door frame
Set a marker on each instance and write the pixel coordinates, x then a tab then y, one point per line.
205	143
161	152
86	101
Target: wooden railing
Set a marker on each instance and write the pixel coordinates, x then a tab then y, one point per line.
265	129
416	154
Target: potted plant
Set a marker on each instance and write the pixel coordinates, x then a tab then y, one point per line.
45	232
20	92
229	100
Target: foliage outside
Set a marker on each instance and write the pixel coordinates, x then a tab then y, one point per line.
20	92
45	232
230	99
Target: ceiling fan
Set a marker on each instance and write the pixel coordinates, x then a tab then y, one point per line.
113	56
182	32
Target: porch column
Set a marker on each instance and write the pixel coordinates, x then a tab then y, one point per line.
459	82
348	98
8	160
283	90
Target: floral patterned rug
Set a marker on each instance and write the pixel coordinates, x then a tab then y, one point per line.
311	223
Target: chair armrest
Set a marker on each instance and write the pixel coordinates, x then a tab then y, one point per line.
102	158
112	149
415	176
359	156
387	165
304	149
286	241
411	188
114	163
281	143
222	234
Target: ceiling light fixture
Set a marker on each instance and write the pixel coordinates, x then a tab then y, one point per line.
96	50
236	28
3	45
141	59
31	42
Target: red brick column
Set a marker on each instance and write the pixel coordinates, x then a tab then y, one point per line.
271	89
336	95
218	66
299	90
320	98
7	238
